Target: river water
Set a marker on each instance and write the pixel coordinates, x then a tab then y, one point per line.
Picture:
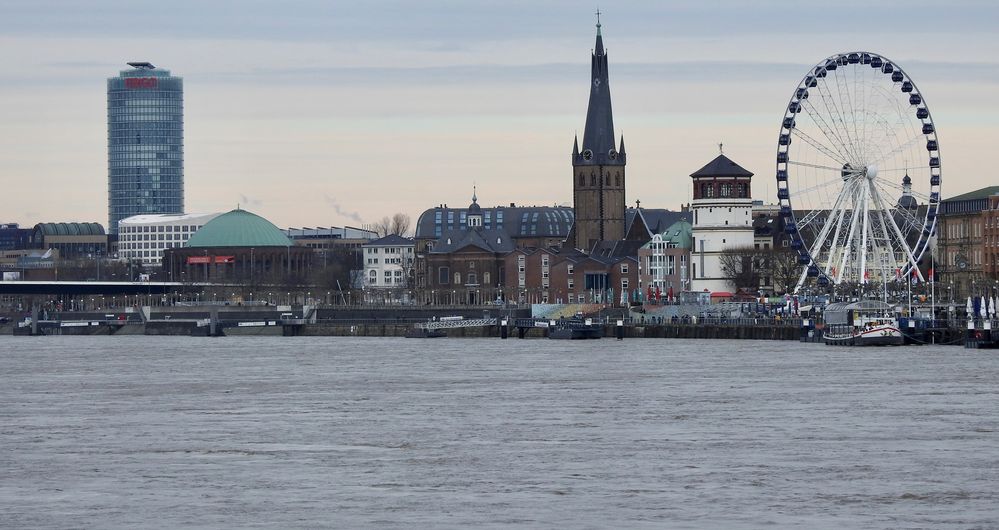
131	432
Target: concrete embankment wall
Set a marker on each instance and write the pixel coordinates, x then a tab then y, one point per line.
331	329
709	331
386	330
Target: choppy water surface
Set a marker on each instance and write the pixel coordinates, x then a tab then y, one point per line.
122	432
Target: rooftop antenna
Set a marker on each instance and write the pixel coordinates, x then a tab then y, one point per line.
720	151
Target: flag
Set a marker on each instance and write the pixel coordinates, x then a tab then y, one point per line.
930	273
898	274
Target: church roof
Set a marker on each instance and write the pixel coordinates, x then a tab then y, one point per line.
497	241
656	219
598	134
722	166
518	221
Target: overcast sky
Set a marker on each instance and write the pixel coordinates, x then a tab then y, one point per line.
319	113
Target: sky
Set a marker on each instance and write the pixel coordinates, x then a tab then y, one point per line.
319	112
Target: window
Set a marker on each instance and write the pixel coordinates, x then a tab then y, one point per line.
571	284
726	190
486	278
457	278
624	283
624	268
443	274
569	269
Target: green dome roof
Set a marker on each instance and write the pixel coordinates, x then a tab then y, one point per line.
239	228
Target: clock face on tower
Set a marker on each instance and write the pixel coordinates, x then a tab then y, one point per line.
587	154
612	154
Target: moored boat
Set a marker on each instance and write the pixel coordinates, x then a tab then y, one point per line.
575	329
863	323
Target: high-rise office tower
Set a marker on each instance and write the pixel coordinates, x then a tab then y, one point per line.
145	143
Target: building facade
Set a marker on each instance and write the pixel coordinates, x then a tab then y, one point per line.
722	210
598	169
965	228
665	260
239	246
446	238
143	238
145	143
13	237
72	240
388	269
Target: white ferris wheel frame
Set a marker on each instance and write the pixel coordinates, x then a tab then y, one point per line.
862	219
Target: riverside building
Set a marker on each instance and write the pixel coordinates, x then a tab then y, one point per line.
145	143
143	238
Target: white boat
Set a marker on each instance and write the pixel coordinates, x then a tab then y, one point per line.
863	323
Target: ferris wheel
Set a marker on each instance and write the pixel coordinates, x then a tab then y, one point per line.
858	172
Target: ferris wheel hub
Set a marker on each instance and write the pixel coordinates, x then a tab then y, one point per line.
871	172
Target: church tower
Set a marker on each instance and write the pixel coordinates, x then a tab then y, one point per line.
598	168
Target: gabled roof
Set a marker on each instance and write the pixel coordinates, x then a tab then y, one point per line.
495	241
656	219
721	166
391	240
977	194
678	233
613	250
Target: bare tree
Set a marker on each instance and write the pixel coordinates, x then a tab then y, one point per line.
398	224
784	269
737	264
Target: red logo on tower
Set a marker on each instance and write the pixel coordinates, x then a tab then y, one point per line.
140	82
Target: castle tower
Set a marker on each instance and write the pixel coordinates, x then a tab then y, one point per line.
598	168
723	220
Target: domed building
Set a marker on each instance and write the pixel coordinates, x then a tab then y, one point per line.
237	246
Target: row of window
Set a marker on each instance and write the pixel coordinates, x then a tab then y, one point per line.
726	189
127	229
155	237
957	229
389	250
153	245
444	274
116	163
388	281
